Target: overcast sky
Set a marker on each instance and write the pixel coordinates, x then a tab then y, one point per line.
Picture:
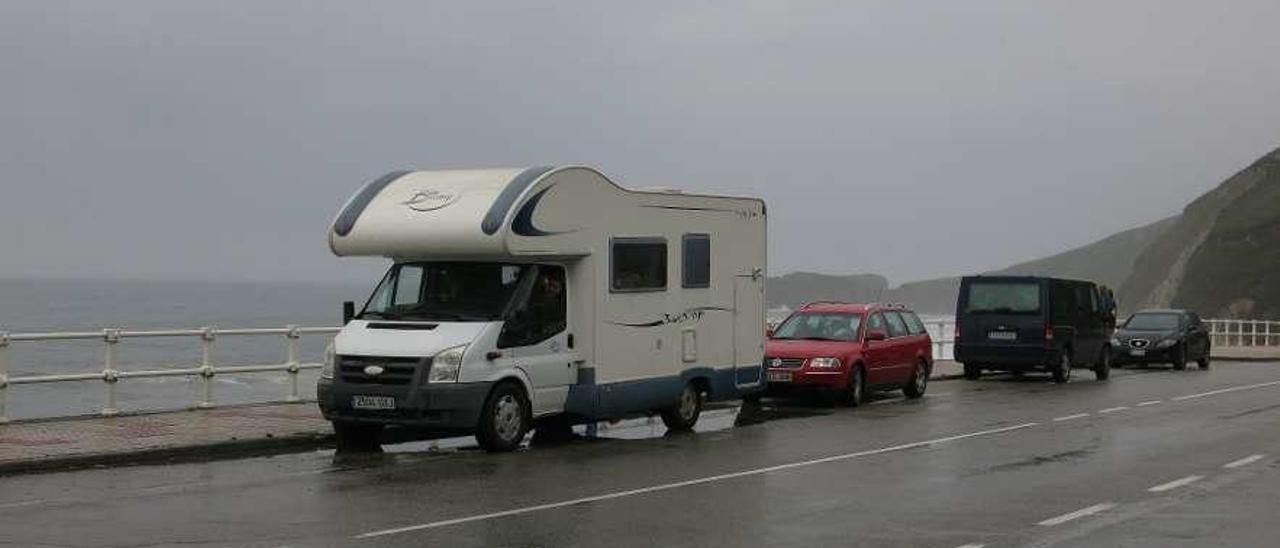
216	140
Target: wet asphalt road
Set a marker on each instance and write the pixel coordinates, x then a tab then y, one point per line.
998	462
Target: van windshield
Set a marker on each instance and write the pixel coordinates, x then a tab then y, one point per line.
447	291
1004	298
820	327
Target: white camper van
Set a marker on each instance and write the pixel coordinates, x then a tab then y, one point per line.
543	297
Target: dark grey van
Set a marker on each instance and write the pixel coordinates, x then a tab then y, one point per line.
1025	323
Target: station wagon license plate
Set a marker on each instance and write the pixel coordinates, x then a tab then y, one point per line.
374	403
779	376
1003	335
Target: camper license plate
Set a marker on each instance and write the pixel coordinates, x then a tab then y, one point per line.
1003	335
779	376
374	403
1138	353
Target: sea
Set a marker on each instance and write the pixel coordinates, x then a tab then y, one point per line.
41	306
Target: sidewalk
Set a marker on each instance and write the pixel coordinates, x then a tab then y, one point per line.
31	446
54	444
1246	353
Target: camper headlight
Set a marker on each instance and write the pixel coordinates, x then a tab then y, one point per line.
446	366
824	363
326	370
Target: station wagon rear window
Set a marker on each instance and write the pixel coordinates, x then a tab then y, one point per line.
1004	298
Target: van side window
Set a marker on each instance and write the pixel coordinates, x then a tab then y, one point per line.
697	261
638	264
1064	302
896	326
914	325
539	313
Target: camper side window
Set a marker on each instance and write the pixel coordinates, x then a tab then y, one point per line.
538	314
639	264
697	261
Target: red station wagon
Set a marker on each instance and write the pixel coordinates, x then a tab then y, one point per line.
850	349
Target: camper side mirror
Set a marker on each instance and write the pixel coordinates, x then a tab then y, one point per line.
876	336
348	312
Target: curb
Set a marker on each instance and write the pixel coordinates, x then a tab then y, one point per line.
258	447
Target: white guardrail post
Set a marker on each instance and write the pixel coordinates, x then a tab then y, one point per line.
110	375
291	337
207	335
4	372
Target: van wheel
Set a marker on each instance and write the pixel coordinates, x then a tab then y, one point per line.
919	381
972	371
684	414
1180	358
1103	368
1062	371
504	420
356	436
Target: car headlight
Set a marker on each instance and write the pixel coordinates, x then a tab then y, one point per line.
824	363
1116	342
446	366
326	370
1167	343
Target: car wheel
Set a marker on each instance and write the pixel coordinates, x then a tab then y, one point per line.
1102	370
1180	357
919	381
972	371
355	436
1062	370
857	391
1203	362
504	420
684	414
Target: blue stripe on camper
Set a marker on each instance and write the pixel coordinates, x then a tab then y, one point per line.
622	398
347	219
498	211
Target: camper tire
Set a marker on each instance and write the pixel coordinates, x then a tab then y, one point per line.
355	436
504	419
684	414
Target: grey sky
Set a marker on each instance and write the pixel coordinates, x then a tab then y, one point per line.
216	140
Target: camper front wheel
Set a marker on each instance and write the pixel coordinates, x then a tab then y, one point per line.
684	414
504	420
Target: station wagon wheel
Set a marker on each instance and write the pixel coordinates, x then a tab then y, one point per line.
857	387
504	420
919	381
684	414
1062	371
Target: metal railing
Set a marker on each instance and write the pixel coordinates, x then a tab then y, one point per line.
1244	333
112	372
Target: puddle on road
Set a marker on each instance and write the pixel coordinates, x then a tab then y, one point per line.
714	419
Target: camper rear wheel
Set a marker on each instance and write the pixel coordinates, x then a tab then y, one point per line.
504	420
684	414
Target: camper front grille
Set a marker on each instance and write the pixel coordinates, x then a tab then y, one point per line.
389	371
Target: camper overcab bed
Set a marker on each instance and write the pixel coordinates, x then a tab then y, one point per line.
541	298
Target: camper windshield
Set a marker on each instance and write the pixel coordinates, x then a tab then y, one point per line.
446	291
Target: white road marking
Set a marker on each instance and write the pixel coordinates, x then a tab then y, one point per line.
1152	402
882	402
1111	410
1095	509
1175	484
1226	390
692	482
1071	417
972	546
1244	462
